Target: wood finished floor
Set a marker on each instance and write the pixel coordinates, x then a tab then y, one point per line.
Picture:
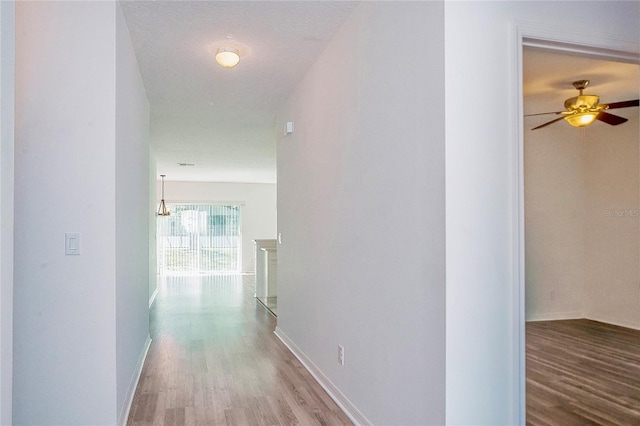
214	360
582	372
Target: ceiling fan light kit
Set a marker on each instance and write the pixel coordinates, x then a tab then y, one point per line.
582	101
581	119
583	110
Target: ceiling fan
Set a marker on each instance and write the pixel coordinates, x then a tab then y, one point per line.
583	110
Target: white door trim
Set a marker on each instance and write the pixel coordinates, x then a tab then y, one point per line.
535	35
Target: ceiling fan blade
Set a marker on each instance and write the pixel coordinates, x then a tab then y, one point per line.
547	123
614	120
543	113
623	104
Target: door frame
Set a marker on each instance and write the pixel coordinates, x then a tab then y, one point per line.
531	35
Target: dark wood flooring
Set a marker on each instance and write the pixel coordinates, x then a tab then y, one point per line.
214	360
582	372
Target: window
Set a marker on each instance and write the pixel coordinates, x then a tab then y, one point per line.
199	239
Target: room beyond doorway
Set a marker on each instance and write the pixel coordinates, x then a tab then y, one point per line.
580	252
199	239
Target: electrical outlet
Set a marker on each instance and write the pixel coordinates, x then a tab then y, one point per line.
341	354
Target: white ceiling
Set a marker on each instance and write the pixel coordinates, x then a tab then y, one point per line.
548	76
222	120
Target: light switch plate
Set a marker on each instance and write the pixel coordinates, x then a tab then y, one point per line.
288	127
72	243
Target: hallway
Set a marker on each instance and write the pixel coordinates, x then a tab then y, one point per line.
214	360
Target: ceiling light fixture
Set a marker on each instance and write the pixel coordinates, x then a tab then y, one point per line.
162	208
581	119
582	110
227	56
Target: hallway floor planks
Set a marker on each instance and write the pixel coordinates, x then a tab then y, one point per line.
582	372
214	360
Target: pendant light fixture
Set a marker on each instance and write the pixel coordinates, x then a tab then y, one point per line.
162	208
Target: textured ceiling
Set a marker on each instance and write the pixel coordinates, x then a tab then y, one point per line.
548	77
222	120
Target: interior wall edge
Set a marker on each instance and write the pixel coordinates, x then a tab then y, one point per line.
7	99
135	379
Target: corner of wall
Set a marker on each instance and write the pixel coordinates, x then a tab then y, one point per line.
153	268
123	416
7	99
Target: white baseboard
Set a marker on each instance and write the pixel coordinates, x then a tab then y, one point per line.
340	399
578	315
615	321
153	298
555	316
124	414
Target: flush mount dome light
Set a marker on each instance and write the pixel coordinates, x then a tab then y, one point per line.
227	57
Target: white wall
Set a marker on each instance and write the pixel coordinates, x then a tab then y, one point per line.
582	222
132	217
7	81
555	222
70	354
612	285
482	186
361	212
258	207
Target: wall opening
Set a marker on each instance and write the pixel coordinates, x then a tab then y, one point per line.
580	168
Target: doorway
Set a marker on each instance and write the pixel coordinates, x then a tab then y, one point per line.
581	189
199	239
